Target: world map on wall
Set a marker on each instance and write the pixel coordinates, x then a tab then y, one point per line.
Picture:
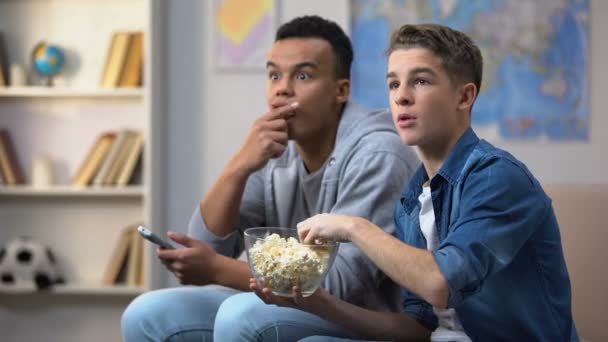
536	67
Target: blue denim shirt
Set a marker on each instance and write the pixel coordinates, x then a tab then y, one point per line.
500	248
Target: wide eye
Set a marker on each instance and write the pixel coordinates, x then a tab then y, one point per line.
393	85
302	76
420	81
273	76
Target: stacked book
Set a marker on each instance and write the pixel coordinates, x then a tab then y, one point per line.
114	160
11	172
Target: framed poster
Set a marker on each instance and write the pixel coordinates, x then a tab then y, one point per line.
243	32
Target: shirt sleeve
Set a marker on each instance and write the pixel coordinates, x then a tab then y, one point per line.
419	310
251	214
369	187
500	206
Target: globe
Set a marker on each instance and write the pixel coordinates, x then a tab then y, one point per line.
47	59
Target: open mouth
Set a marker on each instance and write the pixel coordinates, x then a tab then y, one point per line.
405	120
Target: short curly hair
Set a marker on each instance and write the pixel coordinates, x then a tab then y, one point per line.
312	26
460	56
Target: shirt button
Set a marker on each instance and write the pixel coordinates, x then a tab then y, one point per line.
331	162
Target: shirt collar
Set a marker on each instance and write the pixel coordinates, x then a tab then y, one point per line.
450	170
452	167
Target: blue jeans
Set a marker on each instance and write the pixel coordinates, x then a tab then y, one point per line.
217	313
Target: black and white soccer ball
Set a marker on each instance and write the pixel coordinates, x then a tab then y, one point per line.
27	265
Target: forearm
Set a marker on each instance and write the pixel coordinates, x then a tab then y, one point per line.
366	323
220	208
413	268
232	273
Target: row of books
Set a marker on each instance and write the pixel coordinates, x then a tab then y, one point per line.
114	160
124	61
126	262
11	172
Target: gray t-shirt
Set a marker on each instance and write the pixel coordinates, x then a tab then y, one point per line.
306	201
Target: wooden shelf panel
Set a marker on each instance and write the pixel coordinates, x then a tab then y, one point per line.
71	191
63	92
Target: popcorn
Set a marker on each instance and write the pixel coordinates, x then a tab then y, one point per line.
282	263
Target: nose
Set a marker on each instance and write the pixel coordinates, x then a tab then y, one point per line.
284	87
403	96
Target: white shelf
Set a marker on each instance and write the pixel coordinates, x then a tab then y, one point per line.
97	289
86	289
64	92
71	191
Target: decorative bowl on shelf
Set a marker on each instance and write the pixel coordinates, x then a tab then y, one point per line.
279	261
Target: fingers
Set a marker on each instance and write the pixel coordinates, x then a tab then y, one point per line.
182	239
297	296
306	233
280	137
266	295
281	111
166	255
273	141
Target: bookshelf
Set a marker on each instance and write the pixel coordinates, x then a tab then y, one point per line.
80	224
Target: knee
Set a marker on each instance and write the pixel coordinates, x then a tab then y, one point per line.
236	318
314	339
140	312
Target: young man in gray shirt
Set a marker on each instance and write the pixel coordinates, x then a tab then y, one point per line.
312	152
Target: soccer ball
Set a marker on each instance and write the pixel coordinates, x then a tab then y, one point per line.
27	265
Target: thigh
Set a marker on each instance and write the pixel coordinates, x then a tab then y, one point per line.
162	314
245	317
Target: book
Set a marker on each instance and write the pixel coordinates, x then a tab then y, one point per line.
2	81
115	59
135	260
119	258
4	62
111	157
4	165
132	160
92	163
133	66
9	163
112	175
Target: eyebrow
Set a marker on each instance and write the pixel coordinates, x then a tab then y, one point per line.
414	71
297	66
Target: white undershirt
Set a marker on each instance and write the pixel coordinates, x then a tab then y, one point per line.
449	328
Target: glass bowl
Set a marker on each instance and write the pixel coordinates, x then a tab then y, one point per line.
278	261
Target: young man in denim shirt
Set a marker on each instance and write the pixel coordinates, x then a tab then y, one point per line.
480	255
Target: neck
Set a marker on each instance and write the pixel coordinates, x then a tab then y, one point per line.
315	151
314	154
434	154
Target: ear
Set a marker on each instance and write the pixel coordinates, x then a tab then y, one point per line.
343	90
468	95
